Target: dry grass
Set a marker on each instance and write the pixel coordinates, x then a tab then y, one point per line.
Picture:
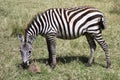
71	55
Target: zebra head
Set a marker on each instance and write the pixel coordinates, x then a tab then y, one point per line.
25	50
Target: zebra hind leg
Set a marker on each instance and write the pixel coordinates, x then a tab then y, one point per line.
104	46
51	44
92	45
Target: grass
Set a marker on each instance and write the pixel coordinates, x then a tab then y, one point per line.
71	55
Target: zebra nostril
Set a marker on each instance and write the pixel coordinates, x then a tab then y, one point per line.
28	63
25	65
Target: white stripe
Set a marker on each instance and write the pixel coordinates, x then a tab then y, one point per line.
75	10
65	23
94	32
39	23
55	19
93	28
38	19
33	29
79	14
52	21
29	32
47	22
36	27
94	21
61	25
42	25
81	21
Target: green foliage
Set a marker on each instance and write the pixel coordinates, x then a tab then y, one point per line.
71	54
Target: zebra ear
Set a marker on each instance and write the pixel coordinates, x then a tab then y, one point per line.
21	38
30	39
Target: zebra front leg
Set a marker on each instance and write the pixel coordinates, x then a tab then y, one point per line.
92	45
104	46
51	44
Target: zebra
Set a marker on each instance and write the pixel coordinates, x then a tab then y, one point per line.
65	23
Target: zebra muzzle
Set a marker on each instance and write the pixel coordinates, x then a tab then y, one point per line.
25	65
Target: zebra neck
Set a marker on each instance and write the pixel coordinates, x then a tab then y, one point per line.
29	38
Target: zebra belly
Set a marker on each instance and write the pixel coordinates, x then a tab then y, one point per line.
67	37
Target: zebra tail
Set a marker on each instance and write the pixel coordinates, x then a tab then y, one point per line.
102	23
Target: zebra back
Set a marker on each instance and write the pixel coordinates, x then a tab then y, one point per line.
67	23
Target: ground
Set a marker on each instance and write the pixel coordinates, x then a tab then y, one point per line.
71	54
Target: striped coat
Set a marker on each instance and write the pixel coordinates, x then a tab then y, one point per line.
68	23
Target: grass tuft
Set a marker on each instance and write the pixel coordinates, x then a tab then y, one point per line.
72	55
3	12
115	7
16	30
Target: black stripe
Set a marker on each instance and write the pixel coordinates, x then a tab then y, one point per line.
42	24
68	27
43	20
100	39
59	23
99	35
94	30
60	11
35	27
51	19
63	26
45	26
87	20
29	30
32	30
38	24
54	20
74	9
47	20
77	13
96	24
79	18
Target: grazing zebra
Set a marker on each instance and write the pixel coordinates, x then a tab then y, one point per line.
65	23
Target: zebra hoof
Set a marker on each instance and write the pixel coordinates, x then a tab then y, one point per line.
88	65
25	65
108	65
52	65
108	68
46	62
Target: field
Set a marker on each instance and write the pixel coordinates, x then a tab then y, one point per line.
71	54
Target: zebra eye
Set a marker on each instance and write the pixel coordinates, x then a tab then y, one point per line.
29	51
21	51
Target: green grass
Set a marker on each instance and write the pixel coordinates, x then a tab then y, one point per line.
71	55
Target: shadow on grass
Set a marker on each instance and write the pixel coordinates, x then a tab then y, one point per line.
67	59
64	59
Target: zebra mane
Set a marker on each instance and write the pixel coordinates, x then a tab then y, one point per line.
28	25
